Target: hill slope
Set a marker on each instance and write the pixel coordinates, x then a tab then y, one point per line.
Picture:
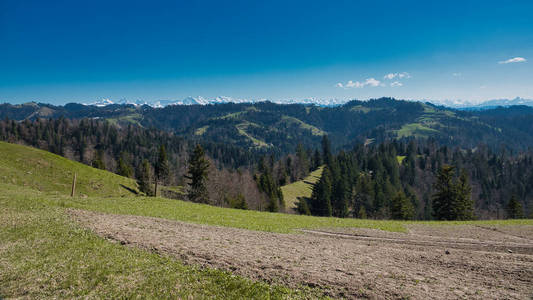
266	126
300	189
47	172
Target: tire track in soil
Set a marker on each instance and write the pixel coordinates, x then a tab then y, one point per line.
466	245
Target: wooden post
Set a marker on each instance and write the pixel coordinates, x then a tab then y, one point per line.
73	186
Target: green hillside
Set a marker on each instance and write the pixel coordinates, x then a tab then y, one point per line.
47	172
300	189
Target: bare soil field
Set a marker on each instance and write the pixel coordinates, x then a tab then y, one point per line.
438	262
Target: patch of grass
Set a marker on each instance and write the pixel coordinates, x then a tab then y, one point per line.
400	158
134	118
201	130
242	131
415	129
361	109
211	215
314	130
47	172
302	188
43	254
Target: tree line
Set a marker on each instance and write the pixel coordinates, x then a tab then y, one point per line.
418	179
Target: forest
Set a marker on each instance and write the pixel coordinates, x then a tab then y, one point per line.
394	179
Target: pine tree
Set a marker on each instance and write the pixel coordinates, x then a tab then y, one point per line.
463	206
317	160
453	200
123	168
197	174
361	214
321	196
302	207
143	178
98	161
303	161
445	194
326	150
514	208
161	168
401	207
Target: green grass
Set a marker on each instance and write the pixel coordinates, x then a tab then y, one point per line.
242	131
314	130
415	129
212	215
43	254
133	118
201	130
47	172
302	188
400	158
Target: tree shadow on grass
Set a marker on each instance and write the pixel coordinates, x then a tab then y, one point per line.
129	189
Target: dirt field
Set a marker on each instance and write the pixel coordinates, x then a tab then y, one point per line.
444	262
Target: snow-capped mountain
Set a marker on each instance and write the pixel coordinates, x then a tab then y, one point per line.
458	103
507	102
101	102
466	104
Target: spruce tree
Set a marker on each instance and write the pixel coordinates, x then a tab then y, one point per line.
401	207
321	196
143	178
162	170
464	206
514	208
302	207
317	160
197	174
361	214
326	150
453	200
123	168
98	161
445	194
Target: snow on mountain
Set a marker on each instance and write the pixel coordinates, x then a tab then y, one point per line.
465	104
101	103
458	103
507	102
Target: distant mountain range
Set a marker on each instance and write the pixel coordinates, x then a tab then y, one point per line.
458	104
468	105
267	126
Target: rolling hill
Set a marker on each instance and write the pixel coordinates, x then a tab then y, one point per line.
266	126
46	172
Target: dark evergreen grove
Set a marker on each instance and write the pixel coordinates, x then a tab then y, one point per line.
419	179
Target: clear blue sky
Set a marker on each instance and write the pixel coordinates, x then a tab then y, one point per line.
61	51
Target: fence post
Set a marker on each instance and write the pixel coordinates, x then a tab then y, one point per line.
73	186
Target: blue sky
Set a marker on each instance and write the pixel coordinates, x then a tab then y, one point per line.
62	51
